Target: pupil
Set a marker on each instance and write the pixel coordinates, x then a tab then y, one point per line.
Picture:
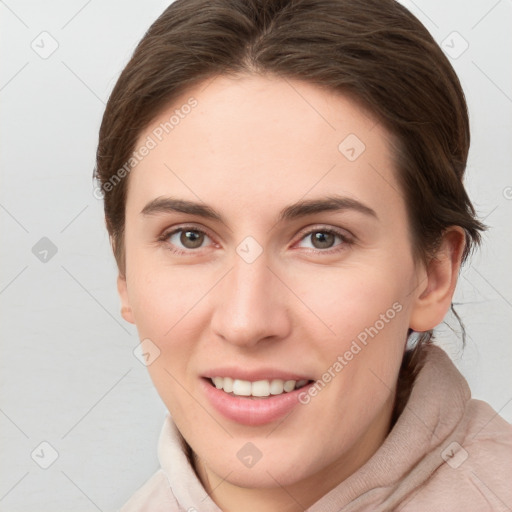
191	239
325	240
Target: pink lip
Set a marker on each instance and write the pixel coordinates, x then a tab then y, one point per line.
251	411
254	375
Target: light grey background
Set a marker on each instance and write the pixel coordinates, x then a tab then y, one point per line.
68	374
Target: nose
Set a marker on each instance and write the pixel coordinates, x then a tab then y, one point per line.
251	304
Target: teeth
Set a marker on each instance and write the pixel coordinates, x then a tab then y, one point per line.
259	388
276	387
227	384
289	385
242	387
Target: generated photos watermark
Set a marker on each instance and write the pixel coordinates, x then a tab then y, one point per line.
356	346
157	135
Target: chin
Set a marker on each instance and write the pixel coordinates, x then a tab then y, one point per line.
263	475
279	463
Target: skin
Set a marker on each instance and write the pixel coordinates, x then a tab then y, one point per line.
252	146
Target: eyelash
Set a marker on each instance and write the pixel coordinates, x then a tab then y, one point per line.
346	240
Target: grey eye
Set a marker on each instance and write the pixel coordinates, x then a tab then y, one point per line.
322	239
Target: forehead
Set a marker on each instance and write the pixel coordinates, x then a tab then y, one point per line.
258	142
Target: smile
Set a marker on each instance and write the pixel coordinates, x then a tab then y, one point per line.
257	389
253	402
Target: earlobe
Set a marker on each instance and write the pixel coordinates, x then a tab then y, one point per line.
126	310
436	291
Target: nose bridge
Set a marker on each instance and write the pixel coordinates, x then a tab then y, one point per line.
251	282
250	307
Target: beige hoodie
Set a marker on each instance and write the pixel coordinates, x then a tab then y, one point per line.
446	452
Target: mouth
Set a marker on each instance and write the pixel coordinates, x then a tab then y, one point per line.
257	389
254	402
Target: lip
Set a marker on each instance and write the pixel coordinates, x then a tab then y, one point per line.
255	375
251	411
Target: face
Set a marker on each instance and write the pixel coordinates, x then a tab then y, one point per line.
268	251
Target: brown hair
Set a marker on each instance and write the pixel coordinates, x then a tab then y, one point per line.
374	50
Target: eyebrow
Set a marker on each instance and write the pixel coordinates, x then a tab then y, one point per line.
296	210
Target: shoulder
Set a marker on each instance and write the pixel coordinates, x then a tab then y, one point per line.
476	467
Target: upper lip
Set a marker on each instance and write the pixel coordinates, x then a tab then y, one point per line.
255	374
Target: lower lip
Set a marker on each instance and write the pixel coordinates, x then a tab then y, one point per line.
252	411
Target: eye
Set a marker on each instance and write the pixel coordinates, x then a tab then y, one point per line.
322	239
185	239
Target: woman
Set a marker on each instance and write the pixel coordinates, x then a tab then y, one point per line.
283	192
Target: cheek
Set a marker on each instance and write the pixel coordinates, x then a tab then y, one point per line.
350	300
366	310
166	304
164	299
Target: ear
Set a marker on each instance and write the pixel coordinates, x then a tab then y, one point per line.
436	291
126	309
